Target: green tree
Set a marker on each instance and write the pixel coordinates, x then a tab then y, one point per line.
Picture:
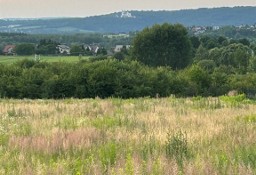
236	55
102	51
46	47
200	80
208	65
252	64
245	42
25	49
119	55
163	45
77	50
201	53
222	40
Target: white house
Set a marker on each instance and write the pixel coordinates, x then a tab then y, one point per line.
119	48
93	48
63	49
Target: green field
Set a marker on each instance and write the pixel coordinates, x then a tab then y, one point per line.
135	136
12	59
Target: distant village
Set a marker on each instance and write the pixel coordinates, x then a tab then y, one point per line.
63	49
98	49
197	30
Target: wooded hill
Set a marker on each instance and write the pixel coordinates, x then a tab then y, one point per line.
132	21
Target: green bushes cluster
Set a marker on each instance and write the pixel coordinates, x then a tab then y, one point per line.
31	79
113	78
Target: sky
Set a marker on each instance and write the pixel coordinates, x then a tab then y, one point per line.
83	8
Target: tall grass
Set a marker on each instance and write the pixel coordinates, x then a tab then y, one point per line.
134	136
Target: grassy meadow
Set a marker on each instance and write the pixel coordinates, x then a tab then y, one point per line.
124	137
12	59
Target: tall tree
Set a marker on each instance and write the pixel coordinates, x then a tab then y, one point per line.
46	47
163	45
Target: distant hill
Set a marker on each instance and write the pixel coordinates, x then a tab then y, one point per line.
132	21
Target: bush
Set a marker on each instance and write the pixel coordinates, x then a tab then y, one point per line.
114	78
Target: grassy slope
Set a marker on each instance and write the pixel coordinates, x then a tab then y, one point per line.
11	59
134	136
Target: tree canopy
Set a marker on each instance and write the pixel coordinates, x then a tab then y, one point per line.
25	49
163	45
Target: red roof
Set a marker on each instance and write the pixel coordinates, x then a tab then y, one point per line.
8	48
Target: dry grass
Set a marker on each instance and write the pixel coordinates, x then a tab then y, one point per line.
58	141
114	136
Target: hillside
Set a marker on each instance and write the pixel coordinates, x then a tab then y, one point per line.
132	21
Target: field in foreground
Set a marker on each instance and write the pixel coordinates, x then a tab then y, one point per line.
133	136
12	59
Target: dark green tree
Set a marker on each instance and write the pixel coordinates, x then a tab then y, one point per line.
163	45
201	53
245	42
77	50
25	49
102	51
119	55
46	47
195	42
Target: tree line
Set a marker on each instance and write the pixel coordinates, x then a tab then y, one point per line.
114	78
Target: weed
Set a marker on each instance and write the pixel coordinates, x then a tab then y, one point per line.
129	167
144	170
150	149
222	162
107	155
176	147
67	122
237	101
248	118
206	103
246	154
82	166
4	139
157	167
24	129
11	112
106	122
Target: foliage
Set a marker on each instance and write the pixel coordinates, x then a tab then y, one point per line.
77	50
238	99
107	77
163	45
25	49
46	47
108	154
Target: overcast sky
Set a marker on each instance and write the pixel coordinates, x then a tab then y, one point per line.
81	8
